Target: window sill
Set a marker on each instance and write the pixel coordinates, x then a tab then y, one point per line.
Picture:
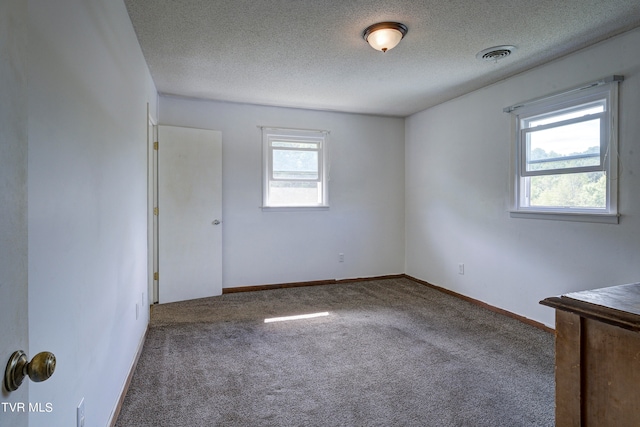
568	216
293	208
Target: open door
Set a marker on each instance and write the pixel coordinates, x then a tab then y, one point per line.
189	213
14	316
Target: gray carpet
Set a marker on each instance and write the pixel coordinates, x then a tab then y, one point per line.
390	353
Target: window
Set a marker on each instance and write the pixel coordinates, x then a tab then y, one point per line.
565	159
295	168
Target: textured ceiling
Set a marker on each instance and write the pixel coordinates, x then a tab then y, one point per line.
310	53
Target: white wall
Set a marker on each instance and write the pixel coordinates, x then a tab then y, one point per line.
14	334
457	176
88	93
366	194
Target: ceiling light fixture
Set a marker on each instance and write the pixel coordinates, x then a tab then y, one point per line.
385	35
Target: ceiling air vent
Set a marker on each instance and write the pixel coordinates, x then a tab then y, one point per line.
495	53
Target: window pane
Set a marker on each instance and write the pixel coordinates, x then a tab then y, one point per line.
574	190
293	164
284	144
292	193
584	110
560	163
294	173
562	147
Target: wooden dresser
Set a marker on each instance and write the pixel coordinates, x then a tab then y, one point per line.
598	357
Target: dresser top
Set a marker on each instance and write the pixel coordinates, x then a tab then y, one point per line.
617	305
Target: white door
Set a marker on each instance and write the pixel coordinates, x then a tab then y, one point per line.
189	213
14	320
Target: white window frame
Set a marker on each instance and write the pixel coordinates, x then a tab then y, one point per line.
317	137
604	91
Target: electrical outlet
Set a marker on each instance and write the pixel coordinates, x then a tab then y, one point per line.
460	268
80	414
340	257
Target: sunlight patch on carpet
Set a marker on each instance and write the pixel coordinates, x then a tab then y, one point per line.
297	317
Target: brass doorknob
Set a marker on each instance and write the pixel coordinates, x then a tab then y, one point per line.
39	369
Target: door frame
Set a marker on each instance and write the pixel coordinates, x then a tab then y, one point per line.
152	203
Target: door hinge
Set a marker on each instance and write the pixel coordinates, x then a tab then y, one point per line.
155	276
155	211
155	145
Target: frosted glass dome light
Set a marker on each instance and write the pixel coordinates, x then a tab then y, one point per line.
384	36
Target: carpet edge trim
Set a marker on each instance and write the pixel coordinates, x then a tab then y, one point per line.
310	283
484	305
116	411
